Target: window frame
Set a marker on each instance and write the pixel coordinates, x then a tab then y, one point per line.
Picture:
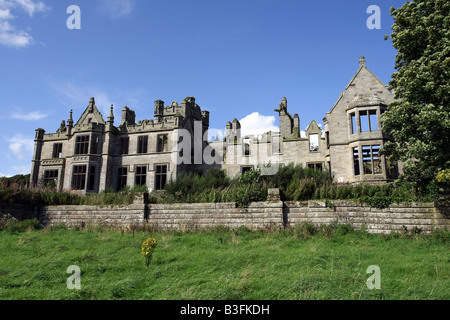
142	145
162	142
57	150
140	175
47	178
79	173
82	144
161	176
124	145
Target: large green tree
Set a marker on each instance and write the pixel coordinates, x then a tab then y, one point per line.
419	119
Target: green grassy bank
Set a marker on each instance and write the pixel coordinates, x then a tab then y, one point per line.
305	262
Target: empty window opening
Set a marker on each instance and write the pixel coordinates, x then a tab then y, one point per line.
314	142
122	174
79	178
318	166
356	161
141	176
91	183
82	145
57	150
162	142
142	144
353	120
50	178
364	121
247	147
95	144
160	176
124	145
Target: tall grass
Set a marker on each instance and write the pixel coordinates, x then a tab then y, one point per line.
17	193
295	183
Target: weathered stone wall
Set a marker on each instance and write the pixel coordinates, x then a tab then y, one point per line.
207	215
424	216
83	216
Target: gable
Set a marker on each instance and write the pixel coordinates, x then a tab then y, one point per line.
363	88
91	115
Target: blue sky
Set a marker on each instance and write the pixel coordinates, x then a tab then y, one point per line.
235	57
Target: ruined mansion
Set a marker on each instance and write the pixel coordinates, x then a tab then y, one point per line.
93	154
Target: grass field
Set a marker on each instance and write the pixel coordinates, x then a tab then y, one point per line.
223	264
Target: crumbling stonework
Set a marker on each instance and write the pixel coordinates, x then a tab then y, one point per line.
92	154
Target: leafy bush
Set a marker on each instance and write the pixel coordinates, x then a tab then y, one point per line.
12	225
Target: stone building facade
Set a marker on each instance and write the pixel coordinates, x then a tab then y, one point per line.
93	154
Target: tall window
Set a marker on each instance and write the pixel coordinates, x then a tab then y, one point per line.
161	145
57	150
122	174
367	159
327	136
141	175
79	177
50	178
314	142
364	121
371	160
95	145
142	144
82	144
356	161
276	145
124	145
160	176
368	120
91	182
377	167
247	147
353	120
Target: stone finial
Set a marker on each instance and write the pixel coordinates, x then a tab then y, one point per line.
111	114
362	62
91	105
70	121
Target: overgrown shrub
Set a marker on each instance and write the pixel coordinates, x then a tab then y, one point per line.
12	225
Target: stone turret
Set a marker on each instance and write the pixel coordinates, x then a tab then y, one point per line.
37	154
287	123
128	116
159	110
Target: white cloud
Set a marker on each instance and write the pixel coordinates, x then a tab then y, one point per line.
214	133
118	8
22	147
31	6
5	14
28	116
257	124
9	35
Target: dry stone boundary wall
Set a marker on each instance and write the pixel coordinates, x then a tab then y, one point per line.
426	217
